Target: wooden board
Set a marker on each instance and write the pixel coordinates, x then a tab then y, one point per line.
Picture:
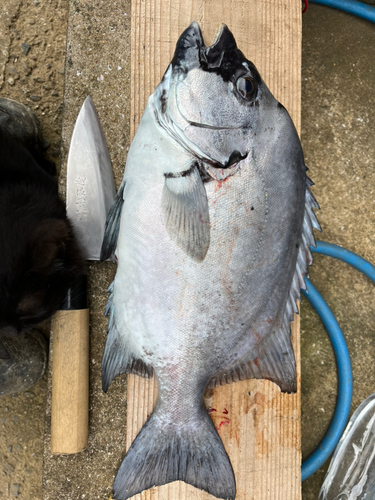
260	427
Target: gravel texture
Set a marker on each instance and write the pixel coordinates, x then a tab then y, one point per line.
32	48
338	120
97	63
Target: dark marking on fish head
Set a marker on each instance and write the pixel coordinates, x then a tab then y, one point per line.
222	58
214	96
213	55
225	59
188	47
164	101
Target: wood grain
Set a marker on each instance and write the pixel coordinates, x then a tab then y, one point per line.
260	427
70	382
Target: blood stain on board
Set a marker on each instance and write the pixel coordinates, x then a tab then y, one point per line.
223	423
219	419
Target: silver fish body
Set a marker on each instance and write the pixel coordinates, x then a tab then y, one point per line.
212	227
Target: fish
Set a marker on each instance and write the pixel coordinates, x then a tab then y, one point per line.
211	229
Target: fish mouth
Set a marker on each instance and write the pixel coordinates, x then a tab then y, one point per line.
234	158
186	55
218	173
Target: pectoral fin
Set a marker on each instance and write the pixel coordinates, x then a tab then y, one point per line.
186	215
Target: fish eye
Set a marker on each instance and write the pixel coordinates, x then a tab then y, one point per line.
246	87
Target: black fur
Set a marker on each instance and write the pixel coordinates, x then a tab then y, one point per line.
39	257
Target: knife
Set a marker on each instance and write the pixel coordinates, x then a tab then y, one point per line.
90	194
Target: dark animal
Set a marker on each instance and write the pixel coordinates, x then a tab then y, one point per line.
39	257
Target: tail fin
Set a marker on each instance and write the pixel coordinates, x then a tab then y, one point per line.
164	452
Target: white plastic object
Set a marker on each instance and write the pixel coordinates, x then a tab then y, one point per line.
351	474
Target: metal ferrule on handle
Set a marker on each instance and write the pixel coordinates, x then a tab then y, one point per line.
70	376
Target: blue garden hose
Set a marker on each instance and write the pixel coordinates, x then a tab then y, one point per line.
345	384
359	9
347	256
345	379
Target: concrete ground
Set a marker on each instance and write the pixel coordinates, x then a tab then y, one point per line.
35	79
338	120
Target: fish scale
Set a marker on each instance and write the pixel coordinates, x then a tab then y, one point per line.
211	229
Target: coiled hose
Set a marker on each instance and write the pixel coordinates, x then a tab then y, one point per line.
345	378
359	9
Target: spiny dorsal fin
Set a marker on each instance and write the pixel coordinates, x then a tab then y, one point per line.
185	210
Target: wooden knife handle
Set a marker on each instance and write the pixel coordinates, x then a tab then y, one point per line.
70	377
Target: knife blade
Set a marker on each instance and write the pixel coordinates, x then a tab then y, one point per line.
90	194
90	184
